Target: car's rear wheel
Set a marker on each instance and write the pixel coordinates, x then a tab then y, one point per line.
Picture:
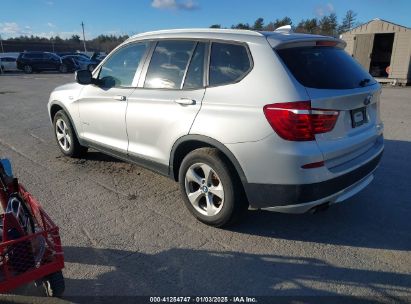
66	136
28	69
211	190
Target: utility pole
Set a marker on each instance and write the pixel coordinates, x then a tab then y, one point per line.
52	43
1	42
84	37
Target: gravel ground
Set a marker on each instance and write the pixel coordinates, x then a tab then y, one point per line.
126	231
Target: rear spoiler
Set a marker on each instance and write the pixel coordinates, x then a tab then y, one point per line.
301	40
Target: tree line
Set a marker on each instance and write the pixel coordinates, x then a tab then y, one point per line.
102	42
326	25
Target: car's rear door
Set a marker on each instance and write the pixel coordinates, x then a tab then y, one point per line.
102	106
164	106
336	82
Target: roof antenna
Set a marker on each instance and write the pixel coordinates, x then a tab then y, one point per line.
286	29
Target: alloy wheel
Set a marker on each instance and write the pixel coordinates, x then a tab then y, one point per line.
204	189
62	134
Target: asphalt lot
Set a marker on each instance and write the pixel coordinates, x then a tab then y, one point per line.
126	231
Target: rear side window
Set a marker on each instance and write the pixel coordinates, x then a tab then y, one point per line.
228	63
168	64
325	68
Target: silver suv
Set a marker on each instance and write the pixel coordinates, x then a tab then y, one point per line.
272	120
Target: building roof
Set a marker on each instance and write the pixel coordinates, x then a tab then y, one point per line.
379	19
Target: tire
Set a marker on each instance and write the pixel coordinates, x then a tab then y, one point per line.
63	68
54	284
66	136
28	69
216	194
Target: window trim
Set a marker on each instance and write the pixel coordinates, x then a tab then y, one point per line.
207	59
250	58
205	64
140	76
188	64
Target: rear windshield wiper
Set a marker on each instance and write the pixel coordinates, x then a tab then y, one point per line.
364	82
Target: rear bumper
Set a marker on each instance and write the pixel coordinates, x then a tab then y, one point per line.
283	197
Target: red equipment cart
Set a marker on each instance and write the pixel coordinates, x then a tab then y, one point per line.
29	256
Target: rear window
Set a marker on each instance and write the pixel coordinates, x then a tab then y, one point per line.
325	68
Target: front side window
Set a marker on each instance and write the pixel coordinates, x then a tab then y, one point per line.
168	64
228	63
120	68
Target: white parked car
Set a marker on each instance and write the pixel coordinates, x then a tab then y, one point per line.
8	64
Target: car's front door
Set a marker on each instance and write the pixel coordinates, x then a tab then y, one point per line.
163	107
102	106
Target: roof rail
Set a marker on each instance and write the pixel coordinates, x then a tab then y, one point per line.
284	29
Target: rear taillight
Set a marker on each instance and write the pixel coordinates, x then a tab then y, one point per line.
297	121
326	43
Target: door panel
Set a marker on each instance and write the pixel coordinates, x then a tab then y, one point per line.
102	116
162	112
363	48
103	108
156	119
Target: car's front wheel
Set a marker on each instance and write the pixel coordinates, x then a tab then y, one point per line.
66	136
211	190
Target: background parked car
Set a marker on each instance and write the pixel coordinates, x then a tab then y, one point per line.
81	62
8	64
70	64
40	61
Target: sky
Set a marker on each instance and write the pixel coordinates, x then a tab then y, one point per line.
62	17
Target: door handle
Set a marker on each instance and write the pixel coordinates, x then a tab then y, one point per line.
120	98
185	101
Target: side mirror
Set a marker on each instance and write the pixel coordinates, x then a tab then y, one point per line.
84	77
6	164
